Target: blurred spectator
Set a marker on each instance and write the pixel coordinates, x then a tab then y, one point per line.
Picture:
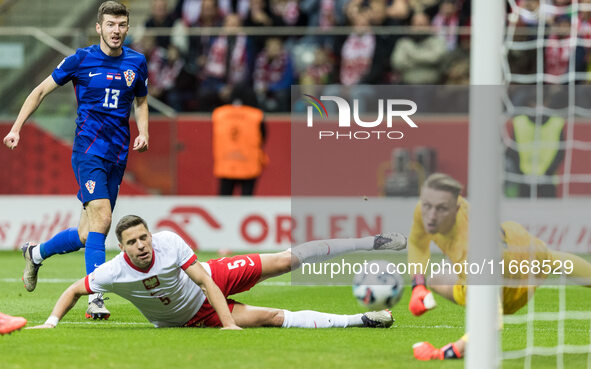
584	54
357	53
362	15
195	13
375	10
188	10
288	11
239	7
191	10
324	13
418	58
320	71
164	68
273	76
226	65
446	23
423	11
238	139
260	15
398	12
160	18
524	61
199	47
562	2
456	67
557	55
456	62
529	16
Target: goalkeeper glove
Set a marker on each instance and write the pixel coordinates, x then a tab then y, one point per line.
426	351
421	298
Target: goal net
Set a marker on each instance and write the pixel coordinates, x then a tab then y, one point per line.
546	140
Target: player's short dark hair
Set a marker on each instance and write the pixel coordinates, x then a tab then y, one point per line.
127	222
111	8
444	182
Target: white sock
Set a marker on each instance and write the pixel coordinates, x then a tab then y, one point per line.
92	297
315	319
321	250
36	253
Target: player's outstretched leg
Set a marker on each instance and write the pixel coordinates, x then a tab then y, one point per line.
254	316
377	319
390	241
322	250
10	324
279	263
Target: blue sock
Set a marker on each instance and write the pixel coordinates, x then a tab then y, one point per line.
62	243
95	251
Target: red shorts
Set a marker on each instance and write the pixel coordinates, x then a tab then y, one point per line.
232	275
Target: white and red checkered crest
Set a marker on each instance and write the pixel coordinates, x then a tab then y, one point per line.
129	77
90	186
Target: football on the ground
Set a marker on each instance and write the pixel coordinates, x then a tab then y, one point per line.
377	288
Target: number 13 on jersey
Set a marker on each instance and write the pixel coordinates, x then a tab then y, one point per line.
111	98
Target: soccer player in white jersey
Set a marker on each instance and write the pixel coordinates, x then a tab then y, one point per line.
161	276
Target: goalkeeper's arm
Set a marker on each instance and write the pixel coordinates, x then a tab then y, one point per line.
66	301
421	298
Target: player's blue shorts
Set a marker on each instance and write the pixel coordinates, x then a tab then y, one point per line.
98	178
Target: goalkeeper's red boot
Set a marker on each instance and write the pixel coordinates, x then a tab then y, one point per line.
10	324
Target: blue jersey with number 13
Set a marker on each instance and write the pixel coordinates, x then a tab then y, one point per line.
105	88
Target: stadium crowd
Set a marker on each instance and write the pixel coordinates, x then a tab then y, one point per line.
558	26
196	73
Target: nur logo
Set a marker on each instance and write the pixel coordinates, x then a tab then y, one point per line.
390	108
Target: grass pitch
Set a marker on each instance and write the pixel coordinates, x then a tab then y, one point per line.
127	340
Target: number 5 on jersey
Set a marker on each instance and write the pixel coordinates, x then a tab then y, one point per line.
238	263
111	98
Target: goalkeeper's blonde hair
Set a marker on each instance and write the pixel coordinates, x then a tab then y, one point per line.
444	182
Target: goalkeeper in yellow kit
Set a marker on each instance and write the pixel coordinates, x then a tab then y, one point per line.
441	216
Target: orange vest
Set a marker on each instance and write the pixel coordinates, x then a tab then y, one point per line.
237	152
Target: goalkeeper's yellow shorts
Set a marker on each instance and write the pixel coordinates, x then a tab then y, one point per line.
514	298
520	245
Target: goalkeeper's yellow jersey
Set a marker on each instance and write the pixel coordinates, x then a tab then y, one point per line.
519	244
454	244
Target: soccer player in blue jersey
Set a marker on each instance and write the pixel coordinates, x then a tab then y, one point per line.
107	78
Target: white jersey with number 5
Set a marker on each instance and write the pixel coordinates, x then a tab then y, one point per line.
164	293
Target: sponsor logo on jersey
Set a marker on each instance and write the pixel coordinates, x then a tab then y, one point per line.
151	283
90	186
129	77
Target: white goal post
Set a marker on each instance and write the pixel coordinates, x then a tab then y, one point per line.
484	183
